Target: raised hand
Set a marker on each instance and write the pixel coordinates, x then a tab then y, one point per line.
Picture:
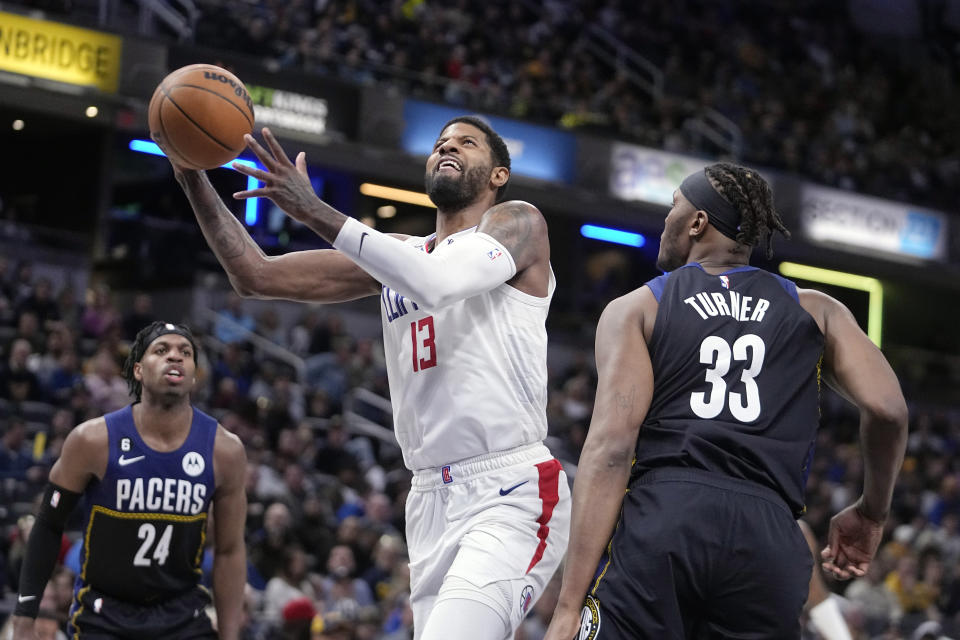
285	183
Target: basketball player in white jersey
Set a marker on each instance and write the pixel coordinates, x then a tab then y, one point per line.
463	320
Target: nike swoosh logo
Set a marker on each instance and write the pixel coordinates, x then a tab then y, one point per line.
362	236
26	598
125	461
504	492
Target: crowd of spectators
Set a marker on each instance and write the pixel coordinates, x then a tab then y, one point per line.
326	504
809	91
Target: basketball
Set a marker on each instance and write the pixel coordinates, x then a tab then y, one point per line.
199	115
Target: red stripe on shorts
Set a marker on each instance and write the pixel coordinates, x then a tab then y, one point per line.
549	496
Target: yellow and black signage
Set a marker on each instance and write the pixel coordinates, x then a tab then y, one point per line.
59	52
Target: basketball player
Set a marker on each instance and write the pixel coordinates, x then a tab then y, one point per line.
463	314
148	474
709	377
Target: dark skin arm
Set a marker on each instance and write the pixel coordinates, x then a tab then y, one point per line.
519	226
83	458
624	392
856	368
230	514
306	276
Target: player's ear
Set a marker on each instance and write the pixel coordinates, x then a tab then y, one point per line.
499	176
138	372
698	225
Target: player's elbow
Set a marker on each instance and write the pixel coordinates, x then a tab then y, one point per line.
889	410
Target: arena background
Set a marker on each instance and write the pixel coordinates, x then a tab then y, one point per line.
850	109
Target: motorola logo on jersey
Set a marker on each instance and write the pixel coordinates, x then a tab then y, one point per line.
193	464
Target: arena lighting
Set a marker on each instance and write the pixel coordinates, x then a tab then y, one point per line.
849	281
400	195
250	211
607	234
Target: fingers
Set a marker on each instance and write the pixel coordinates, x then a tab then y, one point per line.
278	153
262	154
251	193
253	172
302	164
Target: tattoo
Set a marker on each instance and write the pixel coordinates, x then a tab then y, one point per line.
227	241
512	224
625	403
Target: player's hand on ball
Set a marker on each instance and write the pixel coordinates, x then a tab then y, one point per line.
851	543
286	183
157	137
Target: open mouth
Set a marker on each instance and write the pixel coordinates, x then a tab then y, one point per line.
173	374
448	165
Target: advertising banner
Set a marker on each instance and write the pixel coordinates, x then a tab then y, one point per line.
639	173
842	218
535	151
54	51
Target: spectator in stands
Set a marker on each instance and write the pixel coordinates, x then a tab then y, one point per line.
17	382
341	590
267	545
99	314
65	376
233	322
41	304
15	458
289	583
140	315
108	389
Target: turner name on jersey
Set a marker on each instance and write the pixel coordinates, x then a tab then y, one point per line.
161	495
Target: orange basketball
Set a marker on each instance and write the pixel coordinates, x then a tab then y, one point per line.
200	113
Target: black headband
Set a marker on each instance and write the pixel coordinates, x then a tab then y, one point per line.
724	216
165	329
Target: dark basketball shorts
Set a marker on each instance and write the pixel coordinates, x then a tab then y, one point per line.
95	616
699	555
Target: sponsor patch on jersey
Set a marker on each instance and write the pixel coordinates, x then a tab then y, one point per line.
125	444
445	474
193	464
589	619
526	598
493	254
725	281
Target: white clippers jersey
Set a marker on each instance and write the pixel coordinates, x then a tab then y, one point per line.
470	378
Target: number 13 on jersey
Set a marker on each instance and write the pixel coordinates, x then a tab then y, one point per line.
424	345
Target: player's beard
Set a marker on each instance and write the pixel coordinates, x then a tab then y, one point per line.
456	192
669	257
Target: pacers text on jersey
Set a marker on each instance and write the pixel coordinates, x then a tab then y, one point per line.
167	495
742	308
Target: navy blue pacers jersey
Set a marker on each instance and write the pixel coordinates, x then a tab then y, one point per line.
145	520
736	365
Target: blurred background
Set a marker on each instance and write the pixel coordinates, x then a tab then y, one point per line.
849	108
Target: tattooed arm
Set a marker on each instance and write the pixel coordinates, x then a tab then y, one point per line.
309	276
624	391
522	230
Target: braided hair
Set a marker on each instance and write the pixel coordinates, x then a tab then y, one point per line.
139	347
746	190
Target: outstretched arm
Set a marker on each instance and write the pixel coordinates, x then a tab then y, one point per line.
856	368
229	517
309	276
511	237
624	391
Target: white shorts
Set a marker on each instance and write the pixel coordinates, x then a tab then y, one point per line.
499	522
